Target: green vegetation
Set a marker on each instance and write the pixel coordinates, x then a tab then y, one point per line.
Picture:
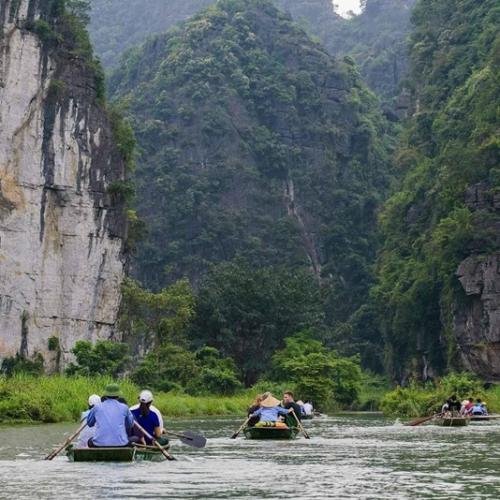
318	374
449	151
62	399
425	399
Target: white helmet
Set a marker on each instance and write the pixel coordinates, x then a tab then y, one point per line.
94	400
146	397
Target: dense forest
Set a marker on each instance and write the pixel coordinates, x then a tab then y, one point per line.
375	39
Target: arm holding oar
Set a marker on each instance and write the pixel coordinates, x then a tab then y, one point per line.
235	435
52	455
155	442
299	423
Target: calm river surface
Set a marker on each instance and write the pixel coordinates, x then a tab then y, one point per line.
353	456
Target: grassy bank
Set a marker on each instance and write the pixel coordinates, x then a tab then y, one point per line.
62	399
419	400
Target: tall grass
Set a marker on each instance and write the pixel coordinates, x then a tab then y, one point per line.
25	398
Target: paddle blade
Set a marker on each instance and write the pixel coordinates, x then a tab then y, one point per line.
192	439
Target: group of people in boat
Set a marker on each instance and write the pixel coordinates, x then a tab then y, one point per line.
267	410
111	423
468	407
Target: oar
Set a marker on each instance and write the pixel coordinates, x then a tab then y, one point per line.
421	420
155	442
190	438
243	425
54	453
301	427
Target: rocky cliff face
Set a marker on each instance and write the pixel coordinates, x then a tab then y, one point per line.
61	234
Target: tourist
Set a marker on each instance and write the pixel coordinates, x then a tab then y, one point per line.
88	432
467	406
308	408
148	419
479	408
270	410
254	407
290	404
112	420
454	404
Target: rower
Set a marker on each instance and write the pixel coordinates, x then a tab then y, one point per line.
112	420
148	417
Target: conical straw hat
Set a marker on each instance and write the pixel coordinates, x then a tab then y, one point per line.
270	402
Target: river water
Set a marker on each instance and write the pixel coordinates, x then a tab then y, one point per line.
348	456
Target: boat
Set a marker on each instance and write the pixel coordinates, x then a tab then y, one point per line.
270	432
115	454
452	421
483	418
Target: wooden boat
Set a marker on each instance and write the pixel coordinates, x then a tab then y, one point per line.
270	432
115	454
483	418
452	421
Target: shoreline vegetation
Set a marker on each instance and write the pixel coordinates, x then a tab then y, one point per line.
28	399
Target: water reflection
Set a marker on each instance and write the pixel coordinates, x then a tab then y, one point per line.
355	456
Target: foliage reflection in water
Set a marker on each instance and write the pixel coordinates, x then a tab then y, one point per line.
350	456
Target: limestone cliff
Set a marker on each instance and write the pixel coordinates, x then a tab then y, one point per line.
61	232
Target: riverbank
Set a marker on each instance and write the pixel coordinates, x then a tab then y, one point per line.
27	399
417	400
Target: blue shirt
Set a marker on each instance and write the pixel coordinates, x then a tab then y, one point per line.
270	414
111	419
149	422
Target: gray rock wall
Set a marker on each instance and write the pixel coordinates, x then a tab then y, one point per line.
61	234
477	320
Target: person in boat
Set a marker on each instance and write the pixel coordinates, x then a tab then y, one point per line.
148	417
88	432
479	409
269	411
467	406
454	405
290	404
113	421
254	407
308	408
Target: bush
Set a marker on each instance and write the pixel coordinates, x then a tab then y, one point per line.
21	365
103	358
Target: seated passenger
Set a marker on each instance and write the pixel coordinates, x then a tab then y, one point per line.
290	404
479	409
269	410
467	407
148	417
112	420
308	408
88	432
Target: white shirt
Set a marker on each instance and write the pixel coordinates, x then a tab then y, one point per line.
308	408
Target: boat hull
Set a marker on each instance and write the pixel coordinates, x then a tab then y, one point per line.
270	432
452	421
121	454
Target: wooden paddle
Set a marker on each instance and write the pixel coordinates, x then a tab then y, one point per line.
54	453
421	420
235	435
155	442
301	427
190	438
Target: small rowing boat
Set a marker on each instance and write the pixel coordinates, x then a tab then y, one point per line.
116	454
270	432
452	421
